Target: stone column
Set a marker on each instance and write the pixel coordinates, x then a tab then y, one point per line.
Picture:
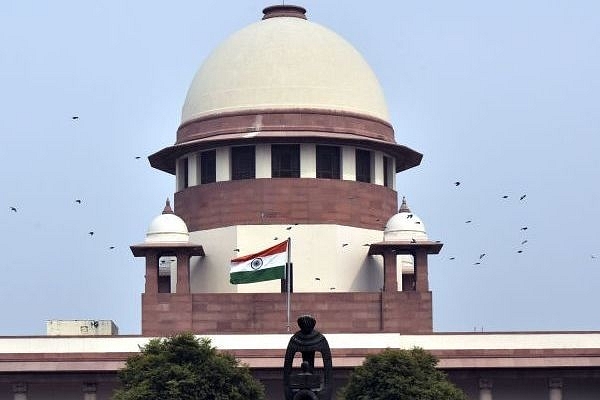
485	389
183	273
19	391
390	271
89	391
151	273
421	273
555	389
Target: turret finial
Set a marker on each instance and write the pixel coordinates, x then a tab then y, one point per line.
167	209
403	207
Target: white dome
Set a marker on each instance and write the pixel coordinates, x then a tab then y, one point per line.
281	63
167	228
404	226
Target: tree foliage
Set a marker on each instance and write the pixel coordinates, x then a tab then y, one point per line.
185	368
400	375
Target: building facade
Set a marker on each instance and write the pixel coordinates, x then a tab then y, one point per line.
284	134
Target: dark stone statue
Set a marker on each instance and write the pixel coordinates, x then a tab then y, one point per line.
307	384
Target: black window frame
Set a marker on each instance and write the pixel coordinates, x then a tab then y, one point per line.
363	165
285	161
243	162
184	173
208	166
328	162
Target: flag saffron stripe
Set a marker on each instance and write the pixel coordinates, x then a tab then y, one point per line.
278	248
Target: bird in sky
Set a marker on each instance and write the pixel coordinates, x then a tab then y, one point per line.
505	196
413	240
524	241
111	247
477	263
13	209
344	244
409	216
74	117
78	201
519	251
522	197
317	279
275	238
418	222
524	228
91	233
593	256
481	255
288	228
457	183
137	157
451	258
468	221
366	244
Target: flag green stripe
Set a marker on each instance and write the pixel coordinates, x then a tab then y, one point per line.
260	275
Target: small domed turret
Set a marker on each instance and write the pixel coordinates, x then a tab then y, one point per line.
167	228
404	226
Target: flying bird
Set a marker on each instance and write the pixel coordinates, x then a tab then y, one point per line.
111	247
522	197
236	250
137	157
519	251
408	216
288	228
451	258
344	244
74	117
91	233
477	263
505	196
366	244
418	222
457	183
413	240
13	209
317	279
78	201
524	228
524	241
481	255
275	238
593	256
468	221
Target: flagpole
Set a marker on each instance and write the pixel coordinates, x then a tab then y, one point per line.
288	278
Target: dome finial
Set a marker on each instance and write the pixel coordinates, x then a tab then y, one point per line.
167	209
403	207
283	10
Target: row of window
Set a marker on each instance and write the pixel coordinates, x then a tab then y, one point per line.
285	163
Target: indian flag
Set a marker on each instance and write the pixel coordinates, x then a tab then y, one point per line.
265	265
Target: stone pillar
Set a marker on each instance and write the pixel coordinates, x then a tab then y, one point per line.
183	273
151	273
421	271
19	391
485	389
89	391
390	271
555	389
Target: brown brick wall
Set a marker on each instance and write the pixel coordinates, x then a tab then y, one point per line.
290	120
220	313
286	201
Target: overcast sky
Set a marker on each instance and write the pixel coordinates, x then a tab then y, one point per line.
503	97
